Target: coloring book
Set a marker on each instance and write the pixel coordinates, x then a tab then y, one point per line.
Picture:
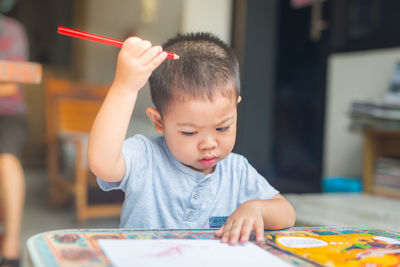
369	248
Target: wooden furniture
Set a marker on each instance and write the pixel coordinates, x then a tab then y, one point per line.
71	108
20	72
377	143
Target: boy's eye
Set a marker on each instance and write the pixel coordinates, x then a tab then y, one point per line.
188	133
223	129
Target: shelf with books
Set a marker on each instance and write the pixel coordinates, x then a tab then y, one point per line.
380	148
386	180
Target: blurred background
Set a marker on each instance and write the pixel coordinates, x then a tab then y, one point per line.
303	64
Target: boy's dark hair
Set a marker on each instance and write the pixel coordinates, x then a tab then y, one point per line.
205	64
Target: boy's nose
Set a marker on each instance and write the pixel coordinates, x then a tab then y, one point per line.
208	142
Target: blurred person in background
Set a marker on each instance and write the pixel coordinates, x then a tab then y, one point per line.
13	128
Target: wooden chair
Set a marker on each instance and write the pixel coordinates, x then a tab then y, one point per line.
71	108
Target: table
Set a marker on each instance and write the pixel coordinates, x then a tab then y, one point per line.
80	247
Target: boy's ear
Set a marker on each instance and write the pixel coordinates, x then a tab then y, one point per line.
239	99
156	119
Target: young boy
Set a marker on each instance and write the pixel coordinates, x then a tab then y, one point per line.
188	177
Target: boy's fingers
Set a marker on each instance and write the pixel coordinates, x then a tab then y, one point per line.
246	231
226	233
131	43
219	232
157	60
136	46
259	229
235	232
144	46
149	55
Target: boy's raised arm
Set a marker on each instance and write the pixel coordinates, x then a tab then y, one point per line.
136	60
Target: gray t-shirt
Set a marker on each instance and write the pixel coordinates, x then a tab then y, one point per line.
161	192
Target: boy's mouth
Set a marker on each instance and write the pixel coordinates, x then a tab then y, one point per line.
208	161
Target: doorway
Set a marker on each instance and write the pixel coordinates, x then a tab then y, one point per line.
281	119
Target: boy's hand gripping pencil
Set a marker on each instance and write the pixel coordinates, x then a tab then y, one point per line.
99	38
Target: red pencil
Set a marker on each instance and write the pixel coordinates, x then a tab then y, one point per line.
99	38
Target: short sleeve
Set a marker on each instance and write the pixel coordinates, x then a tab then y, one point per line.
136	153
253	185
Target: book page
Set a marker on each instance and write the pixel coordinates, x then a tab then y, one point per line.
185	252
353	249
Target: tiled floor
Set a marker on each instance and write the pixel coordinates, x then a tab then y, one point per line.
311	209
40	217
359	210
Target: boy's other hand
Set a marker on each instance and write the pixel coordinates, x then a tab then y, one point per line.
136	60
246	218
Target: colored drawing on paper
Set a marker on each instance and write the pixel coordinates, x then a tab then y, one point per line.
360	249
186	252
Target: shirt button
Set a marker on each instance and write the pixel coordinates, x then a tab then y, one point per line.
196	195
189	215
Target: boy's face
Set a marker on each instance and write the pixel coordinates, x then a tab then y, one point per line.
199	133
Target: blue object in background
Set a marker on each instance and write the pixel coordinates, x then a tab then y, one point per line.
341	184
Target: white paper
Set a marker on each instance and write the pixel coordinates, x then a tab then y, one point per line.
301	242
185	252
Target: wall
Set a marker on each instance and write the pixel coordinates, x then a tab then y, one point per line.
208	15
352	76
170	17
117	19
154	20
